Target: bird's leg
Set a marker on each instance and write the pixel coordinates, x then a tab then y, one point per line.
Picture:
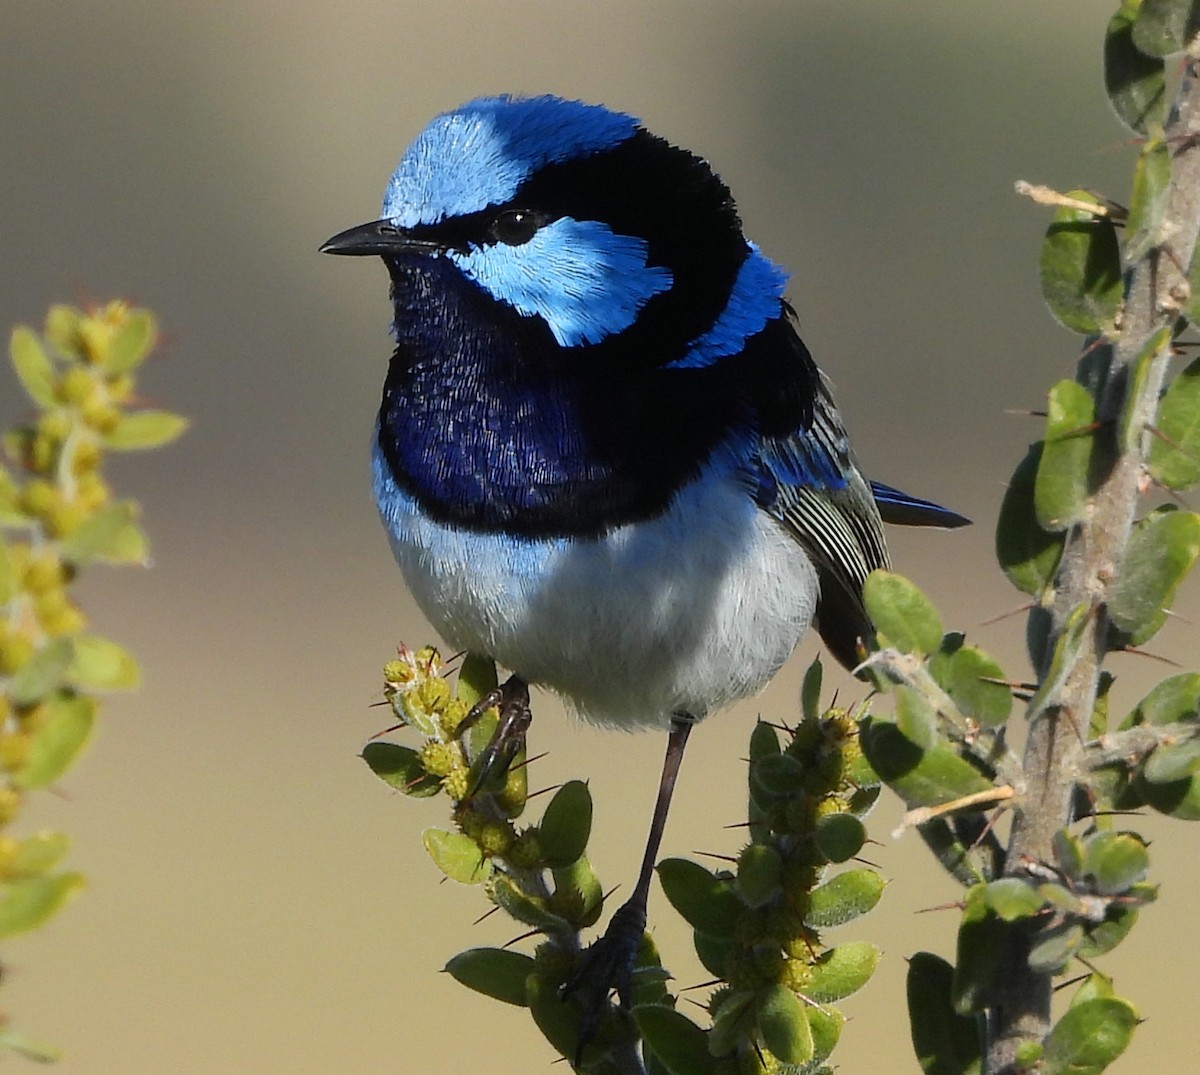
508	740
608	962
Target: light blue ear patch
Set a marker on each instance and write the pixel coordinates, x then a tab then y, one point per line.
479	154
753	301
584	280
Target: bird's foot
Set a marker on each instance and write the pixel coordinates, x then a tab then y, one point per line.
508	740
607	964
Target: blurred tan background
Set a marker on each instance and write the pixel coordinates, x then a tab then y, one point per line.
257	901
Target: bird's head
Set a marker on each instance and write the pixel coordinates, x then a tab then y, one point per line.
581	325
571	214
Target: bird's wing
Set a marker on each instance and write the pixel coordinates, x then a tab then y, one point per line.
810	482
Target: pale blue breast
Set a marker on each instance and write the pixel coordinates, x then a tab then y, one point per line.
681	614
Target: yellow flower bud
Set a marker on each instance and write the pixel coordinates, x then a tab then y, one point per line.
9	849
38	497
75	386
15	651
10	804
67	621
14	750
96	337
43	572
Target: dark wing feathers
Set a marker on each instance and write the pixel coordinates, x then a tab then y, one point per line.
814	488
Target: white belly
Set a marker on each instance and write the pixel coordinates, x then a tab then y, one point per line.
682	614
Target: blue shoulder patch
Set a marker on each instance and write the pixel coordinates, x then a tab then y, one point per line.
479	154
801	459
754	300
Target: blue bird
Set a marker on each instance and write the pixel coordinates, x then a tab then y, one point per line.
604	456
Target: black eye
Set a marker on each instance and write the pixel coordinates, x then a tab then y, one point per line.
516	226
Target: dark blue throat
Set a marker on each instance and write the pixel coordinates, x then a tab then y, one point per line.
491	425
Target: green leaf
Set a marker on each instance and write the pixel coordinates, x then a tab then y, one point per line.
1117	860
783	1022
678	1042
495	972
1027	553
1089	1037
903	616
759	876
916	718
577	890
968	676
983	947
1067	649
1054	946
1133	422
810	691
920	777
1068	853
1161	552
1174	457
38	854
42	674
1093	986
1147	207
1012	899
1175	698
457	856
1135	81
707	903
8	573
733	1022
531	910
101	536
649	977
27	903
37	1051
131	344
844	897
839	837
1064	475
566	825
145	429
58	742
1179	799
968	858
476	677
983	941
1171	762
826	1026
945	1042
774	775
764	741
555	1018
842	971
713	952
400	767
1105	936
1081	268
100	664
1162	27
33	366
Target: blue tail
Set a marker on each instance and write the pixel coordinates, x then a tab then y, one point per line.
904	510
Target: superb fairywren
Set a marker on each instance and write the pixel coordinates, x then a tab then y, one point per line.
604	456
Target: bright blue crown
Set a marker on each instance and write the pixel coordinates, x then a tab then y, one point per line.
479	154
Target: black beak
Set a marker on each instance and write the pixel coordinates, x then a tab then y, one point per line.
378	237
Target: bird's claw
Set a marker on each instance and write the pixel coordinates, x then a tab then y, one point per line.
508	740
606	965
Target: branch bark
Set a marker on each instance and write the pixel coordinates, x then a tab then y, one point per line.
1055	757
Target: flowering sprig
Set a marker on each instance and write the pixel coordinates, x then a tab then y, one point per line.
58	516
